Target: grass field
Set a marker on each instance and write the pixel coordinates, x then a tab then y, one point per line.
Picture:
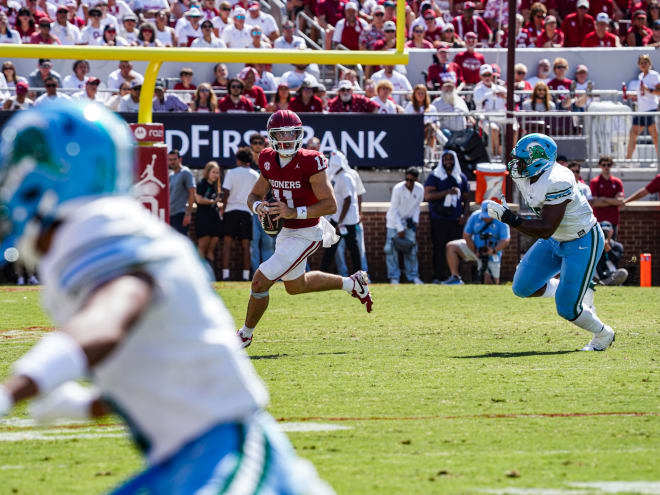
441	390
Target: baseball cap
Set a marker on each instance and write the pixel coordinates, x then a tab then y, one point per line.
253	6
308	83
345	84
484	210
378	8
471	34
581	68
469	5
639	13
606	226
246	70
238	11
485	69
389	3
160	83
62	8
447	27
194	12
429	14
603	17
583	3
92	80
44	21
551	18
350	5
21	87
320	88
389	26
656	23
129	17
135	84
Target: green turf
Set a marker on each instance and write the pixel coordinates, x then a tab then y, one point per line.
446	390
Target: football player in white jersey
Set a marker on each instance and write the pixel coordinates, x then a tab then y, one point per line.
136	313
570	240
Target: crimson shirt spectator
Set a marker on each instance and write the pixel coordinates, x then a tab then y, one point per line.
234	101
44	36
600	37
418	40
253	93
654	39
443	70
433	32
331	11
536	18
470	60
577	25
523	38
306	101
638	31
598	6
560	81
346	101
606	187
374	37
551	37
348	30
468	22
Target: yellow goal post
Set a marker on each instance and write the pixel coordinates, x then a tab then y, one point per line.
156	56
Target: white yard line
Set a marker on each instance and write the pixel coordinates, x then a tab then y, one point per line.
585	488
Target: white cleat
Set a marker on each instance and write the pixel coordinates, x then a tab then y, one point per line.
361	289
601	341
244	341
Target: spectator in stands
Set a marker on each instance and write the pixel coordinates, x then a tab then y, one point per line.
607	269
124	73
9	71
446	189
540	100
351	75
204	99
484	239
652	13
384	90
582	83
448	35
369	88
450	101
647	101
654	39
209	12
237	35
551	36
258	38
66	32
534	27
266	80
560	82
490	97
398	80
470	23
236	187
582	186
519	74
420	101
221	76
306	101
346	101
401	222
208	39
328	13
418	40
601	37
131	102
253	93
265	22
148	9
257	144
189	29
185	80
638	30
78	79
223	19
432	29
129	30
289	41
281	99
90	34
523	39
7	34
182	193
542	73
235	101
527	7
443	70
294	78
208	225
110	37
496	14
164	102
577	25
25	25
164	33
43	36
113	101
20	100
90	91
37	77
51	94
373	38
652	187
38	11
348	30
470	60
147	36
607	193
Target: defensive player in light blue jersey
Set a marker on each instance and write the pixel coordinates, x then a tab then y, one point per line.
136	314
570	240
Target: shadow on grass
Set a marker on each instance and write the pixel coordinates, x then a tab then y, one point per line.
515	354
278	356
269	356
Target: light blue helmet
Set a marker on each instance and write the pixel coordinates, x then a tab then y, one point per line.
56	153
532	154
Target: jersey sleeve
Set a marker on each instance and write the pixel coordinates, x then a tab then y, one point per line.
558	192
226	184
315	163
654	185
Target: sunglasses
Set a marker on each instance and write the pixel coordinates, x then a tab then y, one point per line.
418	31
204	90
410	180
561	67
605	165
256	33
226	9
258	143
240	17
95	15
486	75
378	14
540	16
51	85
207	26
235	86
344	90
521	72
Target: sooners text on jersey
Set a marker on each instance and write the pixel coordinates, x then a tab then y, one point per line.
291	184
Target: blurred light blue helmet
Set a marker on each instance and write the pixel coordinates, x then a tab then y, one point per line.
53	154
532	155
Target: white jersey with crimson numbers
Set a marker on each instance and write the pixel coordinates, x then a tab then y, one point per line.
179	371
554	187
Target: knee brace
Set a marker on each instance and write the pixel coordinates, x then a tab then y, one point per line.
259	295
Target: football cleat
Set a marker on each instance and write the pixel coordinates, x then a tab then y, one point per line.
453	280
601	341
361	289
245	341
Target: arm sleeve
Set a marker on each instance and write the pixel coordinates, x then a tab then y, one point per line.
558	192
469	226
654	185
226	184
190	180
339	28
504	232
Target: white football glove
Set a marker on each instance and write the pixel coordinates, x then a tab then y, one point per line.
69	400
495	210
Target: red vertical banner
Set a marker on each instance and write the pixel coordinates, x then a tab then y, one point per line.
153	187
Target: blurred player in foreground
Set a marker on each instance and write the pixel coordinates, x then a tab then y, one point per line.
303	195
570	241
137	315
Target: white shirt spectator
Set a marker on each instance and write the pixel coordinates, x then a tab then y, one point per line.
265	21
339	28
387	106
421	22
214	43
404	204
119	41
235	38
90	34
72	82
131	37
68	35
267	81
165	36
4	93
647	101
295	79
44	98
409	108
126	104
344	186
145	5
110	20
120	9
220	25
535	79
297	43
399	81
486	99
239	181
82	95
115	79
457	123
185	31
11	37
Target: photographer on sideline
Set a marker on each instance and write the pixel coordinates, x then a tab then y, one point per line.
483	241
607	269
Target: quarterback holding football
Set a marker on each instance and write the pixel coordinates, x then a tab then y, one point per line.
569	242
303	195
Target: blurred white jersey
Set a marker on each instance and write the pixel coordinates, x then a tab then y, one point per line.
555	186
180	370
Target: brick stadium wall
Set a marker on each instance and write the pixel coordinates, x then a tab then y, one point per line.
639	233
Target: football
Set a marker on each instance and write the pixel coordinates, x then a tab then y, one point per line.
271	226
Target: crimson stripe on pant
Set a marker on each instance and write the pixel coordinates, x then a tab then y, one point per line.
311	249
